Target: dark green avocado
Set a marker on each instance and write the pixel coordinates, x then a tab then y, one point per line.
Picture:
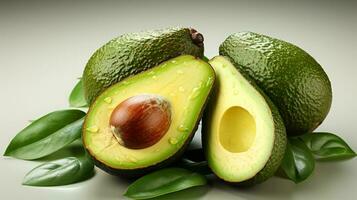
292	79
133	53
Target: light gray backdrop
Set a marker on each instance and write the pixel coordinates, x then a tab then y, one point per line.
45	45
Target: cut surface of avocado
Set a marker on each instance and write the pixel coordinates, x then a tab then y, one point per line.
241	133
185	82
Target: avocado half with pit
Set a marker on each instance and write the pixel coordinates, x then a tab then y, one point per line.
244	137
145	121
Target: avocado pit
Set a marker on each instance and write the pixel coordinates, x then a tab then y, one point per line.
141	121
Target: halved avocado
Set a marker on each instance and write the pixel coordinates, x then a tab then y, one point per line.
184	82
244	137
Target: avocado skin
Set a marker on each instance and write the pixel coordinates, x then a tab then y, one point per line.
132	53
280	137
292	79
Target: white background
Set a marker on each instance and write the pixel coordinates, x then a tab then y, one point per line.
44	47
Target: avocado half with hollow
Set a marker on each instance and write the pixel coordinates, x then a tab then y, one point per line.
133	53
293	80
145	121
244	137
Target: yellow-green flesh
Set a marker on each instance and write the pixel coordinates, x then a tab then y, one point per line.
240	134
184	81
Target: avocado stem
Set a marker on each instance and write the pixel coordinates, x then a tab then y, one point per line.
196	37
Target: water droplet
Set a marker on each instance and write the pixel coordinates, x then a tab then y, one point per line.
108	100
173	61
125	82
93	129
151	73
234	72
156	150
181	89
209	81
182	128
154	77
179	72
195	93
173	140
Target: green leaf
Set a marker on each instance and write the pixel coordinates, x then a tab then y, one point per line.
164	181
327	146
61	172
76	98
46	135
298	162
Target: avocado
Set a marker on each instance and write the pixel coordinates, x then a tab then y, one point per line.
143	139
293	80
243	135
133	53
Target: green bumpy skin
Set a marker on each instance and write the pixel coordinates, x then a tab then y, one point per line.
292	79
133	53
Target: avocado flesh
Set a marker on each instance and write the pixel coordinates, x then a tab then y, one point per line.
244	137
133	53
292	79
185	82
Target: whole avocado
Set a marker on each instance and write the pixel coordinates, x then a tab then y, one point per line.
132	53
293	80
